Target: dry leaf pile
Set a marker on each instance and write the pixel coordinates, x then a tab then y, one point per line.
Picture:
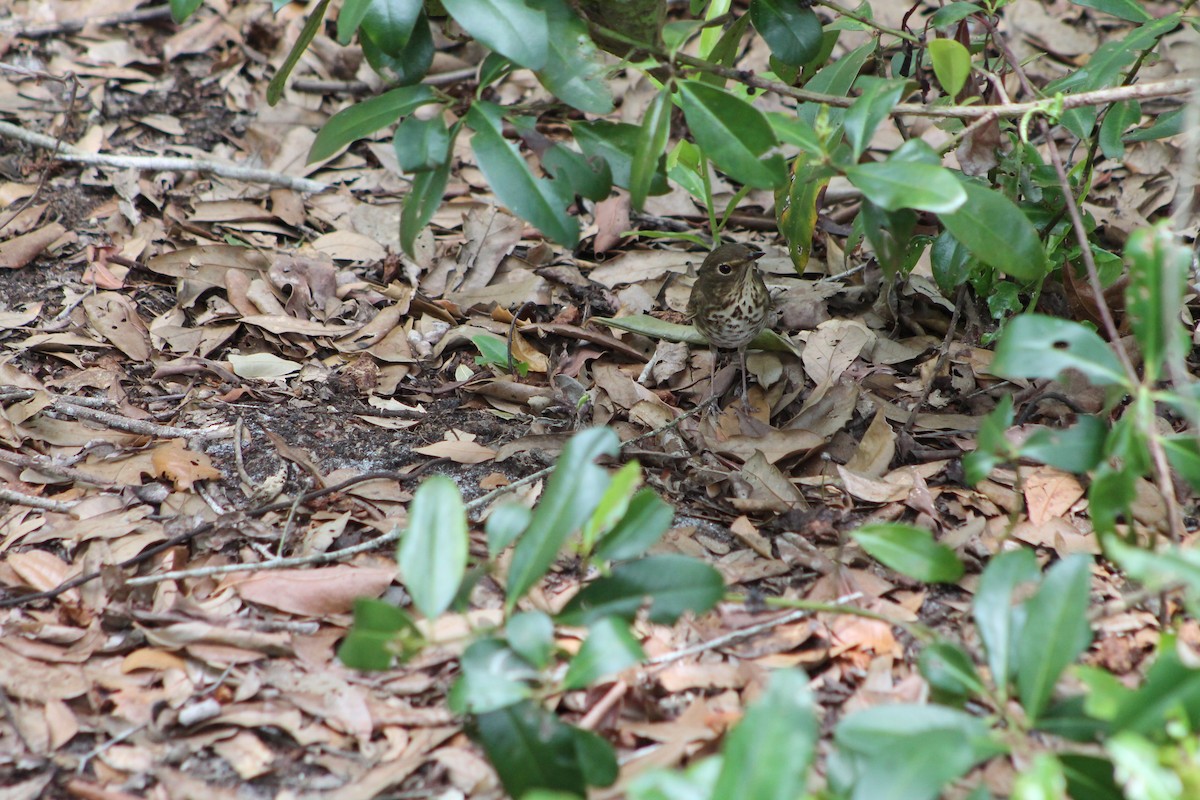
190	364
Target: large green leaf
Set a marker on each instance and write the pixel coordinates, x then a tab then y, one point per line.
389	23
421	144
872	107
948	669
734	134
573	71
907	184
672	584
768	753
381	632
1171	690
492	677
645	521
617	143
1128	10
424	197
609	648
997	233
309	32
951	64
1158	269
363	119
510	27
651	143
572	494
410	62
432	554
998	618
537	200
789	27
1057	614
530	748
910	550
1037	346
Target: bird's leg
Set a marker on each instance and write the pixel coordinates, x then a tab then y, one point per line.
745	388
712	374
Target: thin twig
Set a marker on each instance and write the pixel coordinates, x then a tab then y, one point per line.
223	169
317	86
76	24
13	496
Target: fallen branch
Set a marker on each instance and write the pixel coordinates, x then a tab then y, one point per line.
65	152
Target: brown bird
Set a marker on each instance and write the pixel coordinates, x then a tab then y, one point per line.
729	302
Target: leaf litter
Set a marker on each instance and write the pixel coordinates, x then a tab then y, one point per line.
172	359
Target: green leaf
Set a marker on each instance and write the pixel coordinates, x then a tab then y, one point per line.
911	551
952	264
672	584
493	352
613	504
1043	778
530	748
609	648
389	24
644	523
1183	453
953	12
307	34
1158	269
644	324
651	142
492	677
948	669
504	525
432	554
768	753
991	446
574	72
411	62
422	201
911	752
530	634
796	207
904	184
510	27
998	618
789	27
572	494
1128	10
794	131
951	65
997	233
1170	691
1037	346
1057	614
421	144
537	200
1090	777
872	107
1138	765
734	134
835	79
616	143
363	119
182	9
349	18
378	628
1121	116
588	177
1077	449
1169	124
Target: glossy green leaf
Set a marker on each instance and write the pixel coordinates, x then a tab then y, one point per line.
911	551
510	27
363	119
892	237
389	24
182	9
421	144
949	670
647	518
794	131
1037	346
768	754
1076	449
951	262
309	32
911	752
872	107
410	63
734	134
651	143
422	201
1058	614
492	677
998	617
1120	117
381	632
796	207
588	177
951	64
1158	270
1171	690
616	143
1042	779
530	748
349	17
504	525
991	446
789	27
609	648
670	584
1128	10
1110	497
1169	124
1090	776
574	71
1183	453
951	13
537	200
997	233
895	185
572	494
836	79
530	634
432	554
613	504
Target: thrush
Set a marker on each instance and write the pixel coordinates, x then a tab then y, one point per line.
729	301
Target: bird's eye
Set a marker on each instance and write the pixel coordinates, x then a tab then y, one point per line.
725	269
